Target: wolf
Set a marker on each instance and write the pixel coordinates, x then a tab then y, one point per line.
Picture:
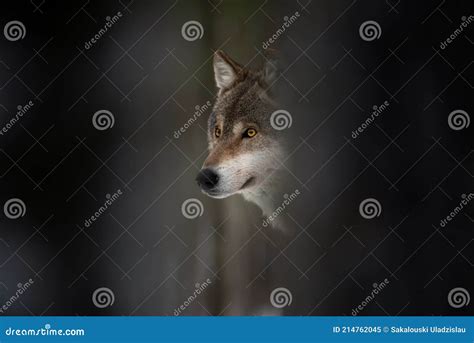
245	150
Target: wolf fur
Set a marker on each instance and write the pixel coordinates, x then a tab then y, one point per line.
238	164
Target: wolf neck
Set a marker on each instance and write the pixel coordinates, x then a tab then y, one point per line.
266	196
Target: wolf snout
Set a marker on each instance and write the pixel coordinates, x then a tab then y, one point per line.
207	179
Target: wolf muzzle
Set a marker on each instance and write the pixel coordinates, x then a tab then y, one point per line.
207	179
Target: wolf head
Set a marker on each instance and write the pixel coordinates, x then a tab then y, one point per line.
244	148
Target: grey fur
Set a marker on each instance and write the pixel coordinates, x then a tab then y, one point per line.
246	166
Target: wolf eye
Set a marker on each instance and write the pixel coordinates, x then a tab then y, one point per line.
217	132
249	133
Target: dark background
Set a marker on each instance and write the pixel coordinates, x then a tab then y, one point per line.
151	79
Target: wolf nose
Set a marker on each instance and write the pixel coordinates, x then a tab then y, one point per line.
207	179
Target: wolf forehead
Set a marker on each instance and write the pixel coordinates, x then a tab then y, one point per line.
241	103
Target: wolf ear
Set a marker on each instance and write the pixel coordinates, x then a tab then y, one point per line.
225	69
